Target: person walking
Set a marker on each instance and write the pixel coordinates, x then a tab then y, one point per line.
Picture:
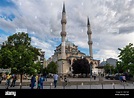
45	76
38	82
65	80
124	78
33	82
8	80
94	76
41	81
55	77
37	78
14	78
121	79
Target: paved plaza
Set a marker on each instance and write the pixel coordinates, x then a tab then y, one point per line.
77	83
106	86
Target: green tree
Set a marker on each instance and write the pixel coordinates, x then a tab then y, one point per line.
126	58
45	70
52	67
81	66
109	69
18	54
119	67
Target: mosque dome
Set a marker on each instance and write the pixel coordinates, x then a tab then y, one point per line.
68	43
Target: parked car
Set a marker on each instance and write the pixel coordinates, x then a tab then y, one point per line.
111	77
128	76
117	75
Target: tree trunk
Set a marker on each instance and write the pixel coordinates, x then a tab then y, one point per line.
21	81
86	75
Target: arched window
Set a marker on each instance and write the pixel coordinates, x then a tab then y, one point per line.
91	63
95	63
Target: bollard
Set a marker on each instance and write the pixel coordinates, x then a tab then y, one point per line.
113	86
20	86
63	85
102	85
50	85
82	83
124	85
76	86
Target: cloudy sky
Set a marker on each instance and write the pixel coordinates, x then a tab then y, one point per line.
112	23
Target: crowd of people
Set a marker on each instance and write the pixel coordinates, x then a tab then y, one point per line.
10	80
37	81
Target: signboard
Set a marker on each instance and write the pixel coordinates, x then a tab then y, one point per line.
5	70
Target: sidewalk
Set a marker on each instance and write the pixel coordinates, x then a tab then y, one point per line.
105	86
72	81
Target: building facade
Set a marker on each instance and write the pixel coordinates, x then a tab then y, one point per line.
67	52
41	58
111	61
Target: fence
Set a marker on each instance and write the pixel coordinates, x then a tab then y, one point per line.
79	85
92	86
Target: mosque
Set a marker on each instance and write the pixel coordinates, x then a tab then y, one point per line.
67	52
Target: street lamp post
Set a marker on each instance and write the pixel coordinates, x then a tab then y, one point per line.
20	78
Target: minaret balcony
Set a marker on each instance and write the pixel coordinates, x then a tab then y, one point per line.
63	33
63	21
89	32
90	42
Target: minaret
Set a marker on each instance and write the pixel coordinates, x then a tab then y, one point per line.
89	32
63	33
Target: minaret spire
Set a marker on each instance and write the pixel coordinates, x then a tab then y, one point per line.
89	32
64	7
63	33
88	23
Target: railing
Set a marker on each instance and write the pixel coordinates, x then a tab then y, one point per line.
124	86
78	85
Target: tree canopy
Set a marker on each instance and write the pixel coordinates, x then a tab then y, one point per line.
18	54
109	69
81	66
126	58
52	67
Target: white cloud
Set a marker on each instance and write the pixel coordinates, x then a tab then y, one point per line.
43	45
44	19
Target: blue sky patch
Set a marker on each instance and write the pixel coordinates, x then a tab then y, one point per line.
84	50
7	17
2	32
6	3
11	17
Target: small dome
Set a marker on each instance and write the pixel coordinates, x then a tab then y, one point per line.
68	43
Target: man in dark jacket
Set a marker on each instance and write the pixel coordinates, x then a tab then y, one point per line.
14	78
33	81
